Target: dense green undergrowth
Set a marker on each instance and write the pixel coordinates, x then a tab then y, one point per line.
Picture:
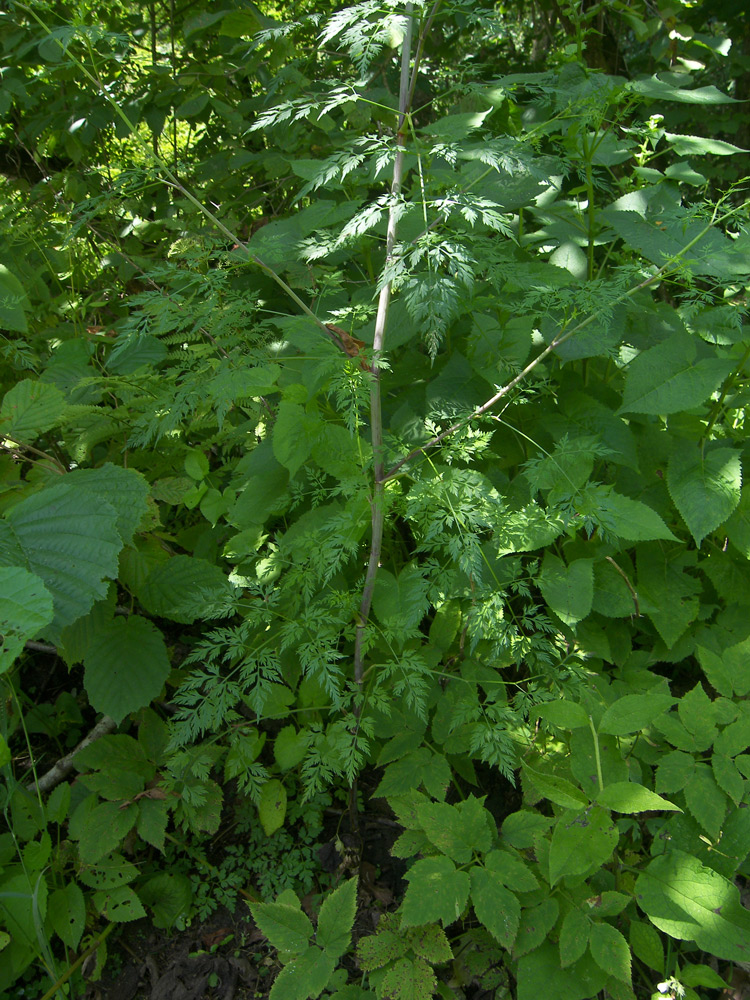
373	401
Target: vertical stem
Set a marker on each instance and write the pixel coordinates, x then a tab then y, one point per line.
376	415
597	755
406	91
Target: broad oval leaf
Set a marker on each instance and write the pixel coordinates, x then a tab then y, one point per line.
693	903
126	665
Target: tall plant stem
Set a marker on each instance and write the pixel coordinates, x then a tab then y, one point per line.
406	91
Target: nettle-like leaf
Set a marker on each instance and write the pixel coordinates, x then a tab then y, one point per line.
437	891
673	376
69	537
409	979
29	409
25	608
185	588
285	925
495	905
457	830
336	919
540	972
306	976
14	303
568	590
581	842
705	486
610	951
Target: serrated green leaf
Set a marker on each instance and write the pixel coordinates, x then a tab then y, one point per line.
540	975
437	891
409	979
290	747
169	896
674	770
668	378
294	434
430	943
667	593
574	936
658	89
565	714
646	945
123	489
29	409
120	906
153	816
66	910
336	919
420	767
401	602
626	518
701	975
556	789
70	540
633	712
494	905
734	738
581	842
25	608
511	871
109	873
693	903
535	924
527	529
696	715
697	145
383	947
610	950
272	806
185	588
705	800
304	977
106	827
568	590
457	830
629	797
126	665
728	778
705	486
13	302
286	927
